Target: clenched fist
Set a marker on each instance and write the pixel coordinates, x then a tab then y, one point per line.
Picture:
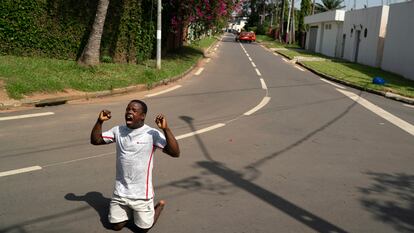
104	115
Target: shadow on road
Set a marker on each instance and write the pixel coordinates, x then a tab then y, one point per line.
97	201
237	179
390	198
101	205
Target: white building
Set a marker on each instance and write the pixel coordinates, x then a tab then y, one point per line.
398	54
238	24
363	33
325	33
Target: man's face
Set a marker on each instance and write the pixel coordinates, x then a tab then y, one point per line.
134	117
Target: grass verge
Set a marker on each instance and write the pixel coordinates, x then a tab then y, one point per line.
27	75
362	75
353	73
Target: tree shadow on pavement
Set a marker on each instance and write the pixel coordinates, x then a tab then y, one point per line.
390	198
238	179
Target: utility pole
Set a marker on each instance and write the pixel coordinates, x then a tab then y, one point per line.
313	7
292	34
158	56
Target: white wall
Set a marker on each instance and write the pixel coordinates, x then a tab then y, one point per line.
330	39
398	54
370	48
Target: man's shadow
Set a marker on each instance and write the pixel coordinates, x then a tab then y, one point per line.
97	201
101	205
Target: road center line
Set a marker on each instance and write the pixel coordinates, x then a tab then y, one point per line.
250	59
264	87
19	171
199	71
262	103
332	83
409	128
254	65
26	116
164	91
258	72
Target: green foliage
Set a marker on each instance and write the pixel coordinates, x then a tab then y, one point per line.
328	5
60	29
305	10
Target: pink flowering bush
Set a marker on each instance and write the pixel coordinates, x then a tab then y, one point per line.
207	14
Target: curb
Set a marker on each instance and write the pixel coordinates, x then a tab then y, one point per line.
89	95
388	95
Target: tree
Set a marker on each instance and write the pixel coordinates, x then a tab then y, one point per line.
305	10
328	5
91	52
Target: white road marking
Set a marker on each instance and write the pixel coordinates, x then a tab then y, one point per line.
250	58
285	60
408	105
254	65
200	131
258	72
21	170
332	83
199	71
76	160
299	68
26	116
409	128
264	87
263	103
277	55
164	91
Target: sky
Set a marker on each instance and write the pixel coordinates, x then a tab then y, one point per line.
359	3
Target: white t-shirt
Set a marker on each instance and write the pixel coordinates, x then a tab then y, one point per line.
134	159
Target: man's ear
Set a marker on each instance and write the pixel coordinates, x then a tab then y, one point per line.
143	115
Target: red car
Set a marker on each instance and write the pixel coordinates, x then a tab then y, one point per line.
246	36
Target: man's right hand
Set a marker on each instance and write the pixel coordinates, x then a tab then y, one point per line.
104	115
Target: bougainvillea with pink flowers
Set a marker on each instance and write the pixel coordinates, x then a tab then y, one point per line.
205	13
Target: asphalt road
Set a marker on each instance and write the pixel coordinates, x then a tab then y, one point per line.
273	149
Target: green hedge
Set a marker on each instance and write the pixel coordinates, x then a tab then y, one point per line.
60	28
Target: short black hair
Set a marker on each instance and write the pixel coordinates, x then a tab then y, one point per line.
143	105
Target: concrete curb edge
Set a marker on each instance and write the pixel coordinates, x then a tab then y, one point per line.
388	95
98	94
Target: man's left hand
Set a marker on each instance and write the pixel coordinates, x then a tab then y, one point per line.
161	121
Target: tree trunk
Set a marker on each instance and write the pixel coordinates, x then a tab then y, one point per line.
292	34
90	54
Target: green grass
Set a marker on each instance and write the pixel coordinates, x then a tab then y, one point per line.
362	75
357	74
28	75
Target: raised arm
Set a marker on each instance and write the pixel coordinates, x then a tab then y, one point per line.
172	147
96	134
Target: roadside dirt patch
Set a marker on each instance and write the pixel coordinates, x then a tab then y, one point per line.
3	92
65	93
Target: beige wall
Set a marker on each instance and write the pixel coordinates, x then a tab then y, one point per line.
398	55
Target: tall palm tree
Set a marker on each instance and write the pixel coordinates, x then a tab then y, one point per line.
328	5
90	54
